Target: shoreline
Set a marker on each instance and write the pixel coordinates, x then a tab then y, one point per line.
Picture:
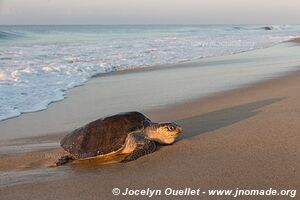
180	64
58	111
157	113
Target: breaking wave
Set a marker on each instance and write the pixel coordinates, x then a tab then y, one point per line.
266	28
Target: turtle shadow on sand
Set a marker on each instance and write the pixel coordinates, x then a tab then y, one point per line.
207	122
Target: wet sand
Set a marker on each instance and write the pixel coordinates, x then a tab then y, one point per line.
245	138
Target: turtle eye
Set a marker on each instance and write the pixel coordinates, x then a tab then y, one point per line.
171	128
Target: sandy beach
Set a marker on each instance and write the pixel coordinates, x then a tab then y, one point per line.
246	137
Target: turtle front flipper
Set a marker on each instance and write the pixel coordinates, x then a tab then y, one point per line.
144	147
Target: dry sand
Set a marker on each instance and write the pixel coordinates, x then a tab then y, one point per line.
246	138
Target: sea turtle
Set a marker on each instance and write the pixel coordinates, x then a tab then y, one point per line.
131	134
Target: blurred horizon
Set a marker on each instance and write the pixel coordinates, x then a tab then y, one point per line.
148	12
270	24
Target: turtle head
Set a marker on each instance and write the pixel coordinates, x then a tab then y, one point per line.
163	133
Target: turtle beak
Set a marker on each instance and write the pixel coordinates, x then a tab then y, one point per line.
179	130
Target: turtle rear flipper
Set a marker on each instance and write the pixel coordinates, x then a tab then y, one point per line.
144	147
63	160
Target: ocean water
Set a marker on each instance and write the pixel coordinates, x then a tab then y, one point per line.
39	63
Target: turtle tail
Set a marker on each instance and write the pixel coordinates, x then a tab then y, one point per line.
64	160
